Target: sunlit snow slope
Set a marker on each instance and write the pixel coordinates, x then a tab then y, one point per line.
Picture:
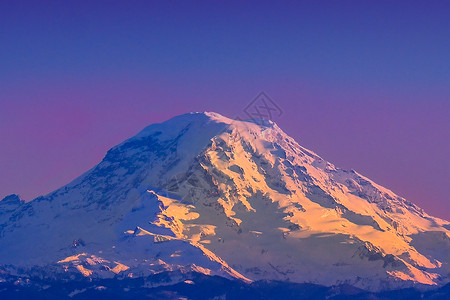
204	193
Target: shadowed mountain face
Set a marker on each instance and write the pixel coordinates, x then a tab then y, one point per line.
206	194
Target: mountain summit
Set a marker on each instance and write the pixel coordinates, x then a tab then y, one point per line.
207	194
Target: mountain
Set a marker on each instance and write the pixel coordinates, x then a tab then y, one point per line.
202	193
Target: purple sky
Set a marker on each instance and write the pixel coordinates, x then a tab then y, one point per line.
366	86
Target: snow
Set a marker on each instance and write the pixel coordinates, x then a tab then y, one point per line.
209	194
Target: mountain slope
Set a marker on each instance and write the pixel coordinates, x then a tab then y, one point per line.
204	193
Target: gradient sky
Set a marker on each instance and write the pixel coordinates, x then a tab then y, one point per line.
365	84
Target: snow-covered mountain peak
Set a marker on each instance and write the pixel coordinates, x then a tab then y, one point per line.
205	193
200	121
